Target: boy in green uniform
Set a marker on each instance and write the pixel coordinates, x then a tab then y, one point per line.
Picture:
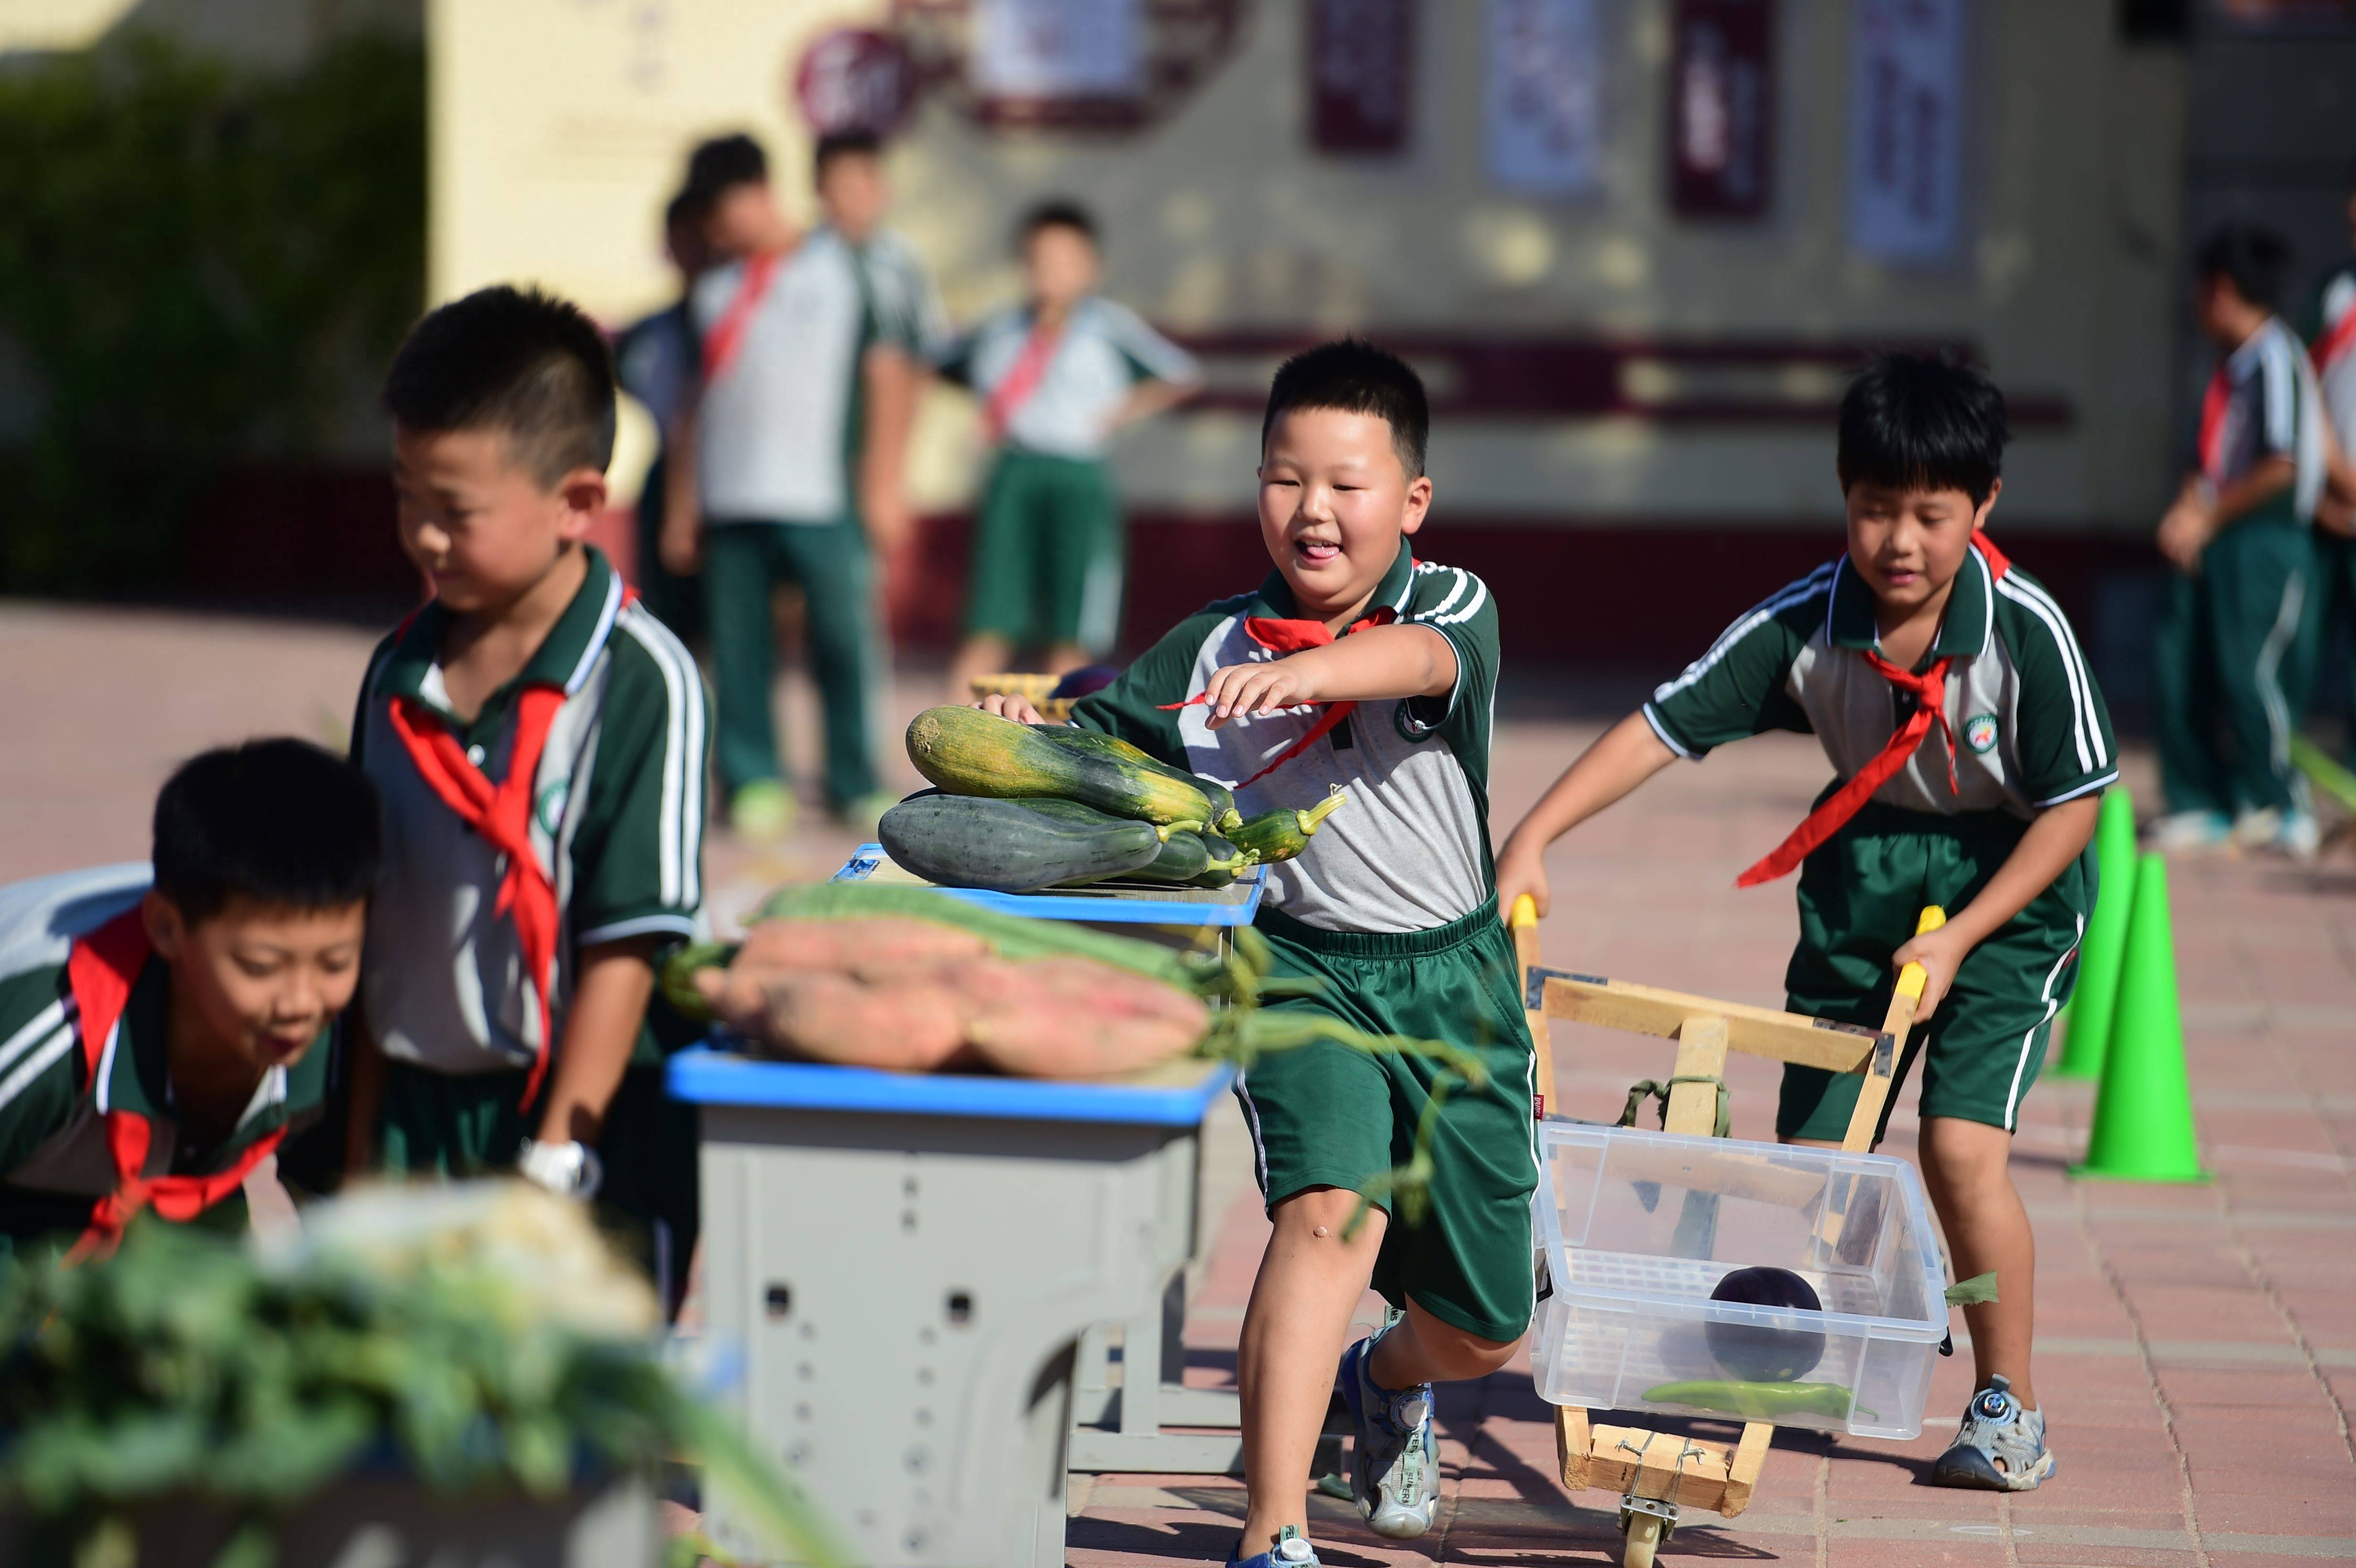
1355	666
1058	375
2332	350
2228	683
1972	747
537	739
163	1027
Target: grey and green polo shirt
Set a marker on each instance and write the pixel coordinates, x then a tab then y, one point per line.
2272	409
780	421
1410	850
908	311
2335	372
2031	730
56	1162
1106	349
618	826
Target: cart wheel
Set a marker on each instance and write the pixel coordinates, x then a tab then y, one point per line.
1643	1539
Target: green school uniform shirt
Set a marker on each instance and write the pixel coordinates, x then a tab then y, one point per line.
618	825
1410	850
55	1163
2031	730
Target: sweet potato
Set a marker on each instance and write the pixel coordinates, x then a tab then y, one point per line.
1072	1017
849	946
833	1017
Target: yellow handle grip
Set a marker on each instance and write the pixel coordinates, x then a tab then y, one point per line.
1526	912
1911	979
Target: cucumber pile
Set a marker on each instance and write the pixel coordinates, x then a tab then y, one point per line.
1026	807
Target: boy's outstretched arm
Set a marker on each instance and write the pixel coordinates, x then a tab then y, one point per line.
2058	835
609	1006
1378	663
1624	757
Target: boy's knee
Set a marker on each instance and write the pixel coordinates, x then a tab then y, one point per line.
1324	1213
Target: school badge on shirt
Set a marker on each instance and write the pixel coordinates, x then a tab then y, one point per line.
1979	733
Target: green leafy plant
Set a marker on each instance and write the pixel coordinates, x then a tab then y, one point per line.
196	262
469	1340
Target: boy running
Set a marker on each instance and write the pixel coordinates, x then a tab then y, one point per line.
537	739
163	1026
792	364
1972	746
2230	635
1355	664
1057	375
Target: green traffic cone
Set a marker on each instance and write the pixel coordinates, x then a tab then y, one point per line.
2142	1113
2086	1027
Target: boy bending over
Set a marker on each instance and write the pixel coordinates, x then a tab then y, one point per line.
540	742
1972	747
1355	665
162	1027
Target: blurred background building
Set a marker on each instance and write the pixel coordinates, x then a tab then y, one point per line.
1635	245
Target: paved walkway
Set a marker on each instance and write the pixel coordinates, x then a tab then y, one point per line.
2197	1345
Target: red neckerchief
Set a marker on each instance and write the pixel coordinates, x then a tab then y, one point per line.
501	815
727	334
101	969
2336	343
1281	637
1022	379
2212	424
1929	690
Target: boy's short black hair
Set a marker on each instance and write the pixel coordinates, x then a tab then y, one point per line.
519	361
1355	378
688	205
724	161
280	821
1059	213
2254	260
855	142
1922	421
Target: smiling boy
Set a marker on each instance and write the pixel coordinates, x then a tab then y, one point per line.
1971	747
539	740
1355	666
162	1026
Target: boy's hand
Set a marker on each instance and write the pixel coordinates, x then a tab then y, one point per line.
1008	705
1521	871
2189	527
681	546
1940	952
1265	687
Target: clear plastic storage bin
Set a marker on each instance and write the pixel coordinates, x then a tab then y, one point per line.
1640	1227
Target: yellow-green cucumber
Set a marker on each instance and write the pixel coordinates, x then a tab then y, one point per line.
1223	801
967	751
1282	833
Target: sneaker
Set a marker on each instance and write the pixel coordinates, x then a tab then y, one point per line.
862	815
1999	1447
762	812
2188	832
2297	837
1291	1551
1395	1459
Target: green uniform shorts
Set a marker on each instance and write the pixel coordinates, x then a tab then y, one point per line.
1860	895
1047	554
1327	1115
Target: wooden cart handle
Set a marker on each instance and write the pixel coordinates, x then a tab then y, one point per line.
1524	922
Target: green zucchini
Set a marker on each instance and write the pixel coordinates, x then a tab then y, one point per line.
1282	833
1096	743
964	841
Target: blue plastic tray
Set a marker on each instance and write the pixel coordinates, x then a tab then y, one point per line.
707	1077
1235	904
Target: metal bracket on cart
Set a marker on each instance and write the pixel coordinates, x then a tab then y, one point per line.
1647	1523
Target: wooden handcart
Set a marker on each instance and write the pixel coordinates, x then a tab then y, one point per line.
1657	1473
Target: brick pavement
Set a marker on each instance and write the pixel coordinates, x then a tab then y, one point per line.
2198	1344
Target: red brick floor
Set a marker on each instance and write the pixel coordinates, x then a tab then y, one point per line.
2197	1352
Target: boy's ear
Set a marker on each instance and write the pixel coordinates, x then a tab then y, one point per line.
1419	504
1980	516
583	491
167	932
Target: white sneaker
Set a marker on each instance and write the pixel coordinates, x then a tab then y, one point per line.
2300	837
2188	832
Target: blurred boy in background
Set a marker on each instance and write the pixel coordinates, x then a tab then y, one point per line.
1057	375
2228	683
2333	351
657	362
793	370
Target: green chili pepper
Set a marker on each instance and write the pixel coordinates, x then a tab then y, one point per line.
1764	1400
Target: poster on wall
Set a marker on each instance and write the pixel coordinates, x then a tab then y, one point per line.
1546	97
1721	107
1361	62
1906	130
1055	48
